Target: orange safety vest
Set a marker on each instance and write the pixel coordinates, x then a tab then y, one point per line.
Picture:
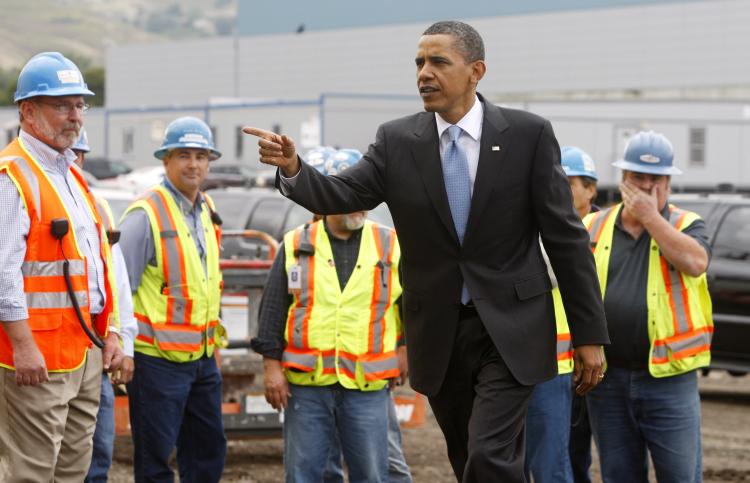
52	318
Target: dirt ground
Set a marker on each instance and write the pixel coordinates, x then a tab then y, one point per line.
725	428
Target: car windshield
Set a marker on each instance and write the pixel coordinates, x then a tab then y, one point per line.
224	169
703	208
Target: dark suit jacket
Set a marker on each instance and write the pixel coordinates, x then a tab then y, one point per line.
520	192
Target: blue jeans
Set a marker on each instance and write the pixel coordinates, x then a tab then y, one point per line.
634	414
398	470
548	431
316	416
176	404
104	435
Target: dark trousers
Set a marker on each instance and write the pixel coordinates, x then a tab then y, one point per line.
579	447
176	404
481	409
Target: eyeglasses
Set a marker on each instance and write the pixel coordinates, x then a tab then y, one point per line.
66	108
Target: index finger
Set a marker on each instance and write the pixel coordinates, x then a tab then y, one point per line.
261	133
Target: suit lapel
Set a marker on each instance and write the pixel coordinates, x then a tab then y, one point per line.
426	153
496	139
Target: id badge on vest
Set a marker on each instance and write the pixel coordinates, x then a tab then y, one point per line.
294	280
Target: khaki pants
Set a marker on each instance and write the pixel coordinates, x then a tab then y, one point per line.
46	431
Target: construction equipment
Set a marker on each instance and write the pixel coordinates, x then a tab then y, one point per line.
248	255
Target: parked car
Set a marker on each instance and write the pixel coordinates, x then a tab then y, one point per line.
137	181
728	221
103	168
224	175
267	210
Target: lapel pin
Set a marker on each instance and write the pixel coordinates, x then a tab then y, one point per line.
496	148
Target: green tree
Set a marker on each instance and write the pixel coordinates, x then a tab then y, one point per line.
8	80
95	77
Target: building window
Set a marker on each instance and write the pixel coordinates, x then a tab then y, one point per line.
239	140
697	146
128	140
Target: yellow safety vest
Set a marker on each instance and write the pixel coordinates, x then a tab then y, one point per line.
564	342
177	303
680	325
345	336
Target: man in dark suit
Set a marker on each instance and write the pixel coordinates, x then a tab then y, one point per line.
471	187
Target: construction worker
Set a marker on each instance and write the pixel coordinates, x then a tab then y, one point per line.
57	294
104	435
327	332
548	421
651	258
582	177
170	239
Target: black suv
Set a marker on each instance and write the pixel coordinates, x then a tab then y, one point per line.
728	221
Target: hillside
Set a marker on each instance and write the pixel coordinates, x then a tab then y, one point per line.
84	28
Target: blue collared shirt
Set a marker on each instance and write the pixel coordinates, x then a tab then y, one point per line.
15	224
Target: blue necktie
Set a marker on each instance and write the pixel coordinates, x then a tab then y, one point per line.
458	188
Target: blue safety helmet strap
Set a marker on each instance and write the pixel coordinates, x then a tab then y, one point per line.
576	162
649	152
83	142
188	132
330	161
50	74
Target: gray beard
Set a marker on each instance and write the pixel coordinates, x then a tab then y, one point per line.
353	224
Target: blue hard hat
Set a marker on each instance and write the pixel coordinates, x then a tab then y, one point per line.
330	161
188	132
648	152
83	142
50	74
576	162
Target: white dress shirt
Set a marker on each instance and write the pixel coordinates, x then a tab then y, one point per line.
128	325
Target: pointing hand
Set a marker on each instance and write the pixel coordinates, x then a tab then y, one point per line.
276	150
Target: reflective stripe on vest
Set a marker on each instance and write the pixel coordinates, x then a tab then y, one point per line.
598	220
28	173
686	341
381	294
688	337
173	257
186	338
297	325
381	368
105	214
564	347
